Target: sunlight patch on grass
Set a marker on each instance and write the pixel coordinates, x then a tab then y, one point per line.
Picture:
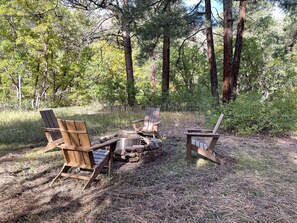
202	162
36	162
292	157
20	127
269	166
255	163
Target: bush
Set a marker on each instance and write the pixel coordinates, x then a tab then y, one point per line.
249	114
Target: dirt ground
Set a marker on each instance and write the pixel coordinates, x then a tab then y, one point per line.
258	183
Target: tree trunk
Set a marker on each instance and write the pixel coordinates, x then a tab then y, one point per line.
166	59
211	53
128	57
36	80
154	71
41	92
129	67
166	67
19	90
228	29
238	48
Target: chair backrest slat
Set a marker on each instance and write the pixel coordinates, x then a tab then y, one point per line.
216	128
50	121
63	129
152	115
83	137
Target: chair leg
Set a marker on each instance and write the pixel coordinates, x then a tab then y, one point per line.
189	148
64	170
95	173
110	158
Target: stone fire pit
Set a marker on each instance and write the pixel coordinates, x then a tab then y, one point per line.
133	147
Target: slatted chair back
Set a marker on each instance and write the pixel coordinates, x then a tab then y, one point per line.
50	121
76	147
217	126
152	115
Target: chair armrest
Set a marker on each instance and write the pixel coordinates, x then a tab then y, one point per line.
140	120
107	143
157	123
50	129
199	130
73	148
83	149
213	135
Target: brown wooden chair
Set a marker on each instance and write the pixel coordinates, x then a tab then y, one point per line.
204	149
149	125
51	130
78	152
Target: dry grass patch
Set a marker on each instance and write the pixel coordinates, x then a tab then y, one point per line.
257	184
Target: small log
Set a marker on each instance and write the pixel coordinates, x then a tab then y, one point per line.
96	142
146	140
119	158
105	138
131	155
134	159
135	148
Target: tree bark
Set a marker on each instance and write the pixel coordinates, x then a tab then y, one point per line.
166	66
211	53
128	57
227	70
154	71
238	48
129	67
41	92
166	59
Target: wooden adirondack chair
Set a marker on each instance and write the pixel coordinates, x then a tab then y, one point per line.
78	152
149	125
51	130
203	149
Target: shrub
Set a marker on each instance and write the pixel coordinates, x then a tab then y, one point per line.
249	114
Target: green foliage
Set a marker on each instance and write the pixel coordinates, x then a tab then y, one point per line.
267	63
189	68
154	19
198	100
149	95
106	77
249	114
41	42
48	46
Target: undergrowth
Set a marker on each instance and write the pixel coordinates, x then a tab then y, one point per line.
249	114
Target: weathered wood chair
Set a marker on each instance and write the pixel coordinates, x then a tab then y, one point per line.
51	130
149	125
78	152
203	149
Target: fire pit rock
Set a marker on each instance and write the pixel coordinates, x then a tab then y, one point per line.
132	147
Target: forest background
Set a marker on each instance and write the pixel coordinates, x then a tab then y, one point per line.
183	57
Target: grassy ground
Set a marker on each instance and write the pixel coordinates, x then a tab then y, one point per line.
258	183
